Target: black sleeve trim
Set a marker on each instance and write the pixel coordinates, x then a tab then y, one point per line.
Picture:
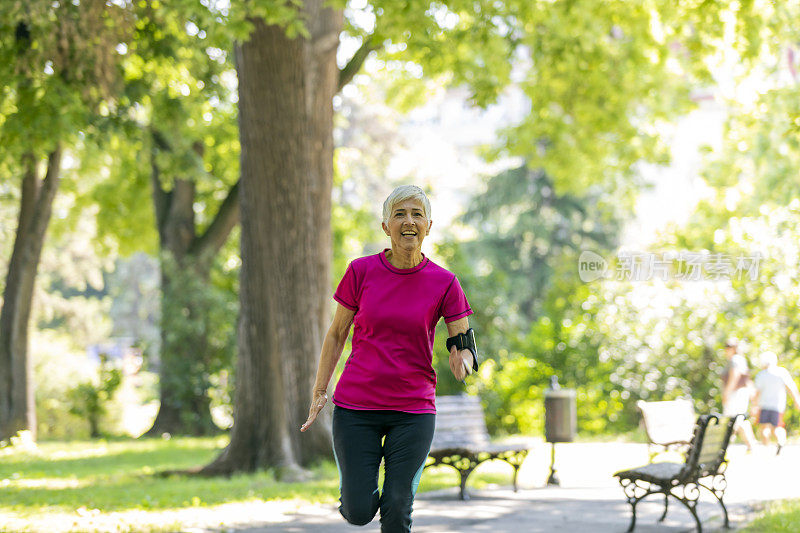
345	304
462	314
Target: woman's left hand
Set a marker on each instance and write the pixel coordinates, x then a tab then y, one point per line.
457	363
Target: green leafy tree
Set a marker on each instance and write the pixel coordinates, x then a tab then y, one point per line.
753	200
520	272
59	70
169	165
757	304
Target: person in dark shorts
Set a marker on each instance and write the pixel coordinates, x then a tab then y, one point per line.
384	401
771	386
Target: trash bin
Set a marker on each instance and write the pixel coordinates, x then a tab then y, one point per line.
560	413
560	420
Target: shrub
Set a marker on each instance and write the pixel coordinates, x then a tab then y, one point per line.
58	366
89	399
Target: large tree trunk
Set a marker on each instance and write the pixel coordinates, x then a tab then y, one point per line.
183	381
185	264
286	88
17	409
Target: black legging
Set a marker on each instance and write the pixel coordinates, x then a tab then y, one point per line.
358	449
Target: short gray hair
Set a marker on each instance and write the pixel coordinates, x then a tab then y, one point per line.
401	194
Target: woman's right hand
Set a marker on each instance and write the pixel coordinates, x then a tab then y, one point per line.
317	403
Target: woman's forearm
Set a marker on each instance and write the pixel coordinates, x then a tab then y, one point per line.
332	348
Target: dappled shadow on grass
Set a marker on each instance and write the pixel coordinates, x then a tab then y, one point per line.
130	475
116	493
123	476
106	458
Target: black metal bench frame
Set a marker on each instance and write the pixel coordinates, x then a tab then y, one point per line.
466	456
704	468
465	460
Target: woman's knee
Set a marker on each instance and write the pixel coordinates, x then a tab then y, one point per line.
358	512
358	516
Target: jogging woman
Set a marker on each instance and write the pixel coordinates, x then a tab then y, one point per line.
384	400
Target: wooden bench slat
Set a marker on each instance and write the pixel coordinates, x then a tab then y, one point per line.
461	439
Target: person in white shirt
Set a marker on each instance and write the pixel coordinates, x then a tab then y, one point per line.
771	386
737	391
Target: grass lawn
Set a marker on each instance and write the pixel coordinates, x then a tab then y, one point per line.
113	486
778	517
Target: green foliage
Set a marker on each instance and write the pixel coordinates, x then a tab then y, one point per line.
59	66
146	90
600	76
519	273
760	305
758	164
88	399
512	393
71	292
176	118
661	342
665	340
199	321
752	206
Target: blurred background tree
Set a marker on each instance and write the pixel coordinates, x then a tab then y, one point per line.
519	273
59	72
167	167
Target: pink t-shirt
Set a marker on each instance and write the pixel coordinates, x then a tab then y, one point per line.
396	314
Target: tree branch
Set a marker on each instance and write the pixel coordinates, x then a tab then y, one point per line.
30	192
348	72
209	243
47	192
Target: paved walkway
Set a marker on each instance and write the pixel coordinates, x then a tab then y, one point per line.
589	499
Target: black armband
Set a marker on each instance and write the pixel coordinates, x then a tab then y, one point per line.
465	341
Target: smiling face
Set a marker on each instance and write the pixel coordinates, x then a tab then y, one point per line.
407	225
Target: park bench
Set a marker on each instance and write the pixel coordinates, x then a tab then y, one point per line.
461	440
668	424
704	467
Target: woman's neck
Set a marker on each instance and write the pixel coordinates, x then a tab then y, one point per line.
400	258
